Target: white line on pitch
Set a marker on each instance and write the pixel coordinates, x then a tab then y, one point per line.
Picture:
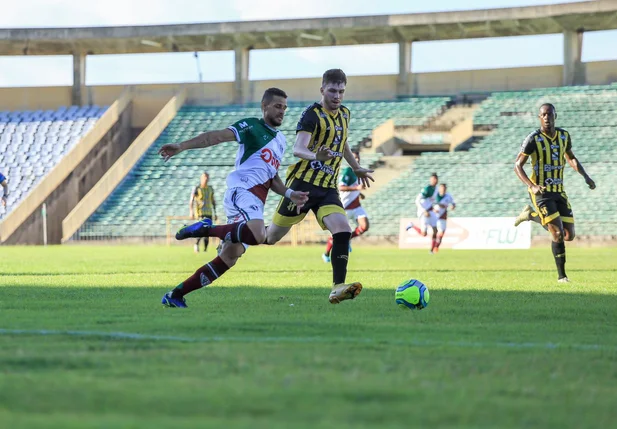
300	340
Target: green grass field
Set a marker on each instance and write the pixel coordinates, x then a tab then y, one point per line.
85	343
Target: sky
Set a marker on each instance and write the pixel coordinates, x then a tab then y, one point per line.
290	63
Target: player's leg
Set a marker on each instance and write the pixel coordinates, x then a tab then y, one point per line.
205	275
555	227
362	222
206	239
196	247
422	217
249	230
441	231
331	216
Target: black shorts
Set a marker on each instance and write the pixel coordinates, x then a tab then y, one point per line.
322	201
552	205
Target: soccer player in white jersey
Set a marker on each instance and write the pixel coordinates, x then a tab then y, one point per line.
425	201
443	201
261	147
350	188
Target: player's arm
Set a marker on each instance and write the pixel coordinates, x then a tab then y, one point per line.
204	140
214	206
576	165
191	200
364	174
529	145
301	149
297	197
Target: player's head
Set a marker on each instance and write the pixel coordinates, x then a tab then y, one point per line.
204	179
273	106
443	188
547	115
356	155
433	180
333	85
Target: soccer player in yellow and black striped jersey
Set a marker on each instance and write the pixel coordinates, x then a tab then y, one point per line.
202	205
321	143
549	149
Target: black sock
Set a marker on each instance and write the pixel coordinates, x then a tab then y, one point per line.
559	252
534	217
340	256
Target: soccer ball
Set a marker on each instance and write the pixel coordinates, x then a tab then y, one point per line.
412	294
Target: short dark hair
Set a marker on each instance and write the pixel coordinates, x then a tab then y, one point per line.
270	93
334	76
548	105
434	175
443	184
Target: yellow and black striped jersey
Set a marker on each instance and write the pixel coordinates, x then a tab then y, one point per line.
547	157
203	201
328	130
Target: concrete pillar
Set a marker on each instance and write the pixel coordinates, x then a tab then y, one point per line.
79	79
241	86
573	67
404	86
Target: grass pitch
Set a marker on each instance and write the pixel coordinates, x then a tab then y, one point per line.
85	343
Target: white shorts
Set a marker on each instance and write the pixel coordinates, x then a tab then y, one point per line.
441	225
356	213
431	220
241	205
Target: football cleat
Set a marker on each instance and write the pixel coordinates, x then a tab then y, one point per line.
171	302
196	230
564	280
325	258
343	291
409	226
524	216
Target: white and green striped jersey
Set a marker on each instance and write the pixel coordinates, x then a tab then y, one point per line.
260	152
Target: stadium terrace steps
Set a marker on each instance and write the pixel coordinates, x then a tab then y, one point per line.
33	142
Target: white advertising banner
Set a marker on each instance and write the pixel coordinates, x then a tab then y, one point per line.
471	233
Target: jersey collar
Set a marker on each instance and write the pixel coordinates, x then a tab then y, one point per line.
268	127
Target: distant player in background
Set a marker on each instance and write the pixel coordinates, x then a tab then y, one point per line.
350	192
549	148
425	201
5	186
443	201
261	147
202	206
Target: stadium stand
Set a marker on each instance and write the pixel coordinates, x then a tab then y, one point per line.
482	179
153	190
33	142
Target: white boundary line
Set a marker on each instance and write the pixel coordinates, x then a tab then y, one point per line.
308	340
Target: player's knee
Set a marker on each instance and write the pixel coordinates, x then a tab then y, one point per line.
260	235
569	235
557	236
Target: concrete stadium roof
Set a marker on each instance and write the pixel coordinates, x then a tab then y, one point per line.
533	20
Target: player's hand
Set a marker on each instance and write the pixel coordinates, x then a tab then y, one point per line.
364	174
299	199
590	183
360	187
426	213
537	189
324	154
169	150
